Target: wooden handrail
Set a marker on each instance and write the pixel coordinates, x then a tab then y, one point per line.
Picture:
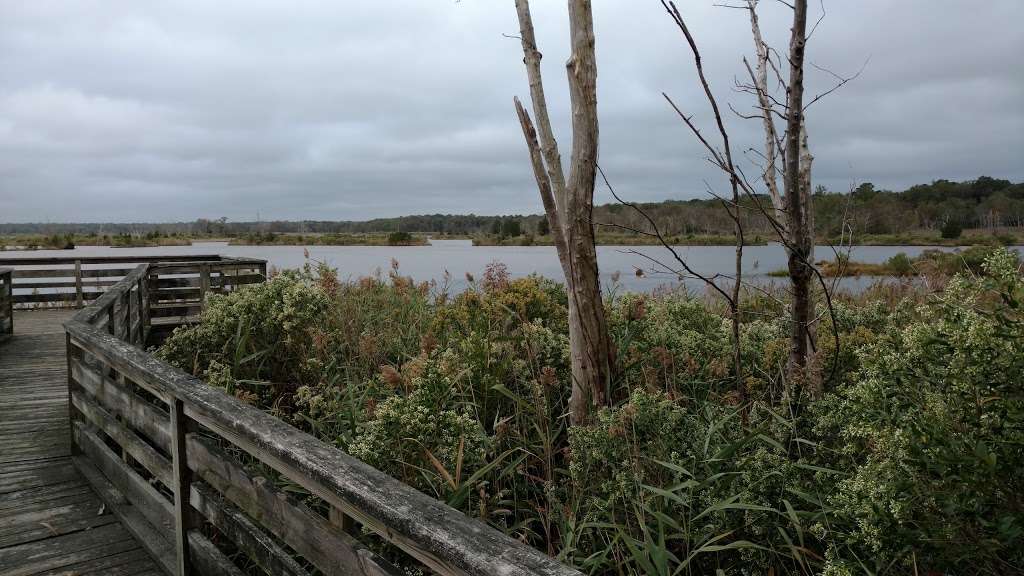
58	260
183	440
66	283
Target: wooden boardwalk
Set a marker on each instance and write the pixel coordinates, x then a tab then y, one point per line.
51	520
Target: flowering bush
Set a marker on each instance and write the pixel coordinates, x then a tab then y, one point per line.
430	449
259	343
908	463
931	429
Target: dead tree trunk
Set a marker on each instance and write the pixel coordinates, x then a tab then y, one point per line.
796	178
793	214
568	203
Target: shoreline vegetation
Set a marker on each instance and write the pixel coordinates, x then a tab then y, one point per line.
463	397
928	263
382	239
26	242
612	239
942	213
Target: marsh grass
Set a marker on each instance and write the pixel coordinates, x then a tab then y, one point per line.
464	397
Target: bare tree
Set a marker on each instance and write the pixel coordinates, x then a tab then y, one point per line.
786	157
796	204
568	203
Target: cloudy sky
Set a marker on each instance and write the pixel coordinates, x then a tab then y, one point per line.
120	110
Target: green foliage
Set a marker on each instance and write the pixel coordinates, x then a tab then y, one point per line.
932	428
952	229
399	238
910	462
913	216
511	227
900	265
259	343
425	446
543	228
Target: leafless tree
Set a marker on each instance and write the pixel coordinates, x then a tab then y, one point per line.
568	202
786	157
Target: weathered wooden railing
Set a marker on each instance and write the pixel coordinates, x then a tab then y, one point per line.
179	460
67	281
6	303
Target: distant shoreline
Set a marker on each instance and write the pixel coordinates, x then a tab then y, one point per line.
31	242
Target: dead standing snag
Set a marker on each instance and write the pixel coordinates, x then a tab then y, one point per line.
568	202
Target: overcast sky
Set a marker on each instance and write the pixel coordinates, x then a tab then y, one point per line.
173	110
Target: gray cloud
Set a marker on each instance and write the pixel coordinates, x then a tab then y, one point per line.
124	110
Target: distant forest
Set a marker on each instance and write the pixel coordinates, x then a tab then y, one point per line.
985	202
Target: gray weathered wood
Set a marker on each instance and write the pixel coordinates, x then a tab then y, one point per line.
78	283
155	510
74	285
6	303
443	538
51	519
69	260
330	549
245	534
181	479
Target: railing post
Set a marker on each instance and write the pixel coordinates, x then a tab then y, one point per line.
184	519
129	333
6	304
141	306
204	284
79	297
341	520
70	351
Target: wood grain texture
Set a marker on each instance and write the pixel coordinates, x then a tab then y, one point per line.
52	521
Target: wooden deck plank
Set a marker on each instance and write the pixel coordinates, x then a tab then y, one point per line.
51	519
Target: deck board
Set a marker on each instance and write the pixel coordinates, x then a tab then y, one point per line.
51	520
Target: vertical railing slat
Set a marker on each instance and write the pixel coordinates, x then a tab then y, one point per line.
204	284
183	516
78	284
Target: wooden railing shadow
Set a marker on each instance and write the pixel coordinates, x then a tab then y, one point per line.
179	460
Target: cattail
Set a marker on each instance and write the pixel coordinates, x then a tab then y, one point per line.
390	375
428	343
548	377
637	310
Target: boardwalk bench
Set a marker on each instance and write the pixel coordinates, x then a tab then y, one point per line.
182	464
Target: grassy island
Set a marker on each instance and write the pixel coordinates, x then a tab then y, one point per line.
611	239
381	239
930	262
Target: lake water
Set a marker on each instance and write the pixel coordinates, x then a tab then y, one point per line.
459	257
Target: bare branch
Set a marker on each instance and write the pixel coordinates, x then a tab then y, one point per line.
841	81
661	238
544	185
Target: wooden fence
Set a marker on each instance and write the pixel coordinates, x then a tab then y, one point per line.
185	464
66	282
6	303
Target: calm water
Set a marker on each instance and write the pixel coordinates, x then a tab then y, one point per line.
459	257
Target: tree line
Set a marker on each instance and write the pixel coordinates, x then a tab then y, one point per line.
984	202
